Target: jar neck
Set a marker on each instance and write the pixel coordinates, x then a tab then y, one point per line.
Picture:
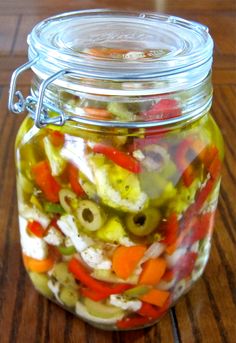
188	104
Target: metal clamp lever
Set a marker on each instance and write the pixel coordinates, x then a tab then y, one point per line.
19	106
41	118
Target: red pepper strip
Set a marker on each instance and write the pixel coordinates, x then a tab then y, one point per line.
46	182
92	294
204	227
73	179
171	228
123	160
188	145
168	276
162	110
133	322
185	265
57	138
81	274
36	228
148	310
148	313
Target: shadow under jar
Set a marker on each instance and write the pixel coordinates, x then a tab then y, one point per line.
118	163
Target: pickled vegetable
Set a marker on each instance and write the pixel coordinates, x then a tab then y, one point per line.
121	234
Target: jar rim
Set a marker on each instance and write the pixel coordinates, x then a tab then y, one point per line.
167	50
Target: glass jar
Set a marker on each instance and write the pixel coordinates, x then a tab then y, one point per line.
118	163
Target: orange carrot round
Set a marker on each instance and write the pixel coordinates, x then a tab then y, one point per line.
153	270
125	260
155	297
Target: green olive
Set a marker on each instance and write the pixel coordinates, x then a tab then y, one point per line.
144	222
90	215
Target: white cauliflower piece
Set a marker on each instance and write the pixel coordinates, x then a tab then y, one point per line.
68	226
32	246
95	258
124	303
119	188
53	237
34	214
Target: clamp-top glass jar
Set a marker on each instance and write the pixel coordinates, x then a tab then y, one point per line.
118	163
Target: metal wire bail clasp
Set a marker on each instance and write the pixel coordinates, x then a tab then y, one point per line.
41	117
19	106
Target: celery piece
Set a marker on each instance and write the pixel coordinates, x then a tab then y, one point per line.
101	310
109	276
67	250
40	282
112	231
25	184
34	201
50	207
137	291
61	273
120	111
69	296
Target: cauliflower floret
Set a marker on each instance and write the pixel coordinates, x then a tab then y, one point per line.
119	188
68	226
95	258
32	246
124	303
54	237
34	214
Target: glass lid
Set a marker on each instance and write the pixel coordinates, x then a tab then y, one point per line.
111	45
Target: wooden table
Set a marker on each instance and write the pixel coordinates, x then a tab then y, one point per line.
208	313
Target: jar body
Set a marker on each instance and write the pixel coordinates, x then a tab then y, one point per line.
116	223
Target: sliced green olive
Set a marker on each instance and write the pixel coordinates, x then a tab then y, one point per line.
90	215
144	222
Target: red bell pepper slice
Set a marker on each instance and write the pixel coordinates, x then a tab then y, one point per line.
162	110
57	138
203	228
118	157
185	265
46	182
92	294
132	322
73	173
187	146
171	228
153	312
81	274
36	228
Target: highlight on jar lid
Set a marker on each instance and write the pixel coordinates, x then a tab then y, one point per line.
167	51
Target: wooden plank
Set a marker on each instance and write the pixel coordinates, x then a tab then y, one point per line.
8	26
25	27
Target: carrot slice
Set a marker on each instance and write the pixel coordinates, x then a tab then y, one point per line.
101	113
155	297
125	260
46	182
153	270
73	178
39	266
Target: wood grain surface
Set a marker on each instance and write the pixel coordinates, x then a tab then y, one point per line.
208	313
